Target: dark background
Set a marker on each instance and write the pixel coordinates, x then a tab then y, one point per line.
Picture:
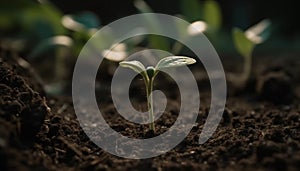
241	13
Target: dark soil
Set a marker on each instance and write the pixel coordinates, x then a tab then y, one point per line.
256	132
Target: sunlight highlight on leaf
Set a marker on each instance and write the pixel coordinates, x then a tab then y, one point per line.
196	28
71	24
259	32
81	21
116	53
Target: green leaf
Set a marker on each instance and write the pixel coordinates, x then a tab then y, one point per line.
88	19
142	6
196	28
43	20
158	42
80	22
53	16
174	61
191	9
242	43
212	14
259	32
134	65
51	43
155	42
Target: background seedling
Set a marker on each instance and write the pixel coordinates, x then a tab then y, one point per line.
156	42
150	72
246	41
205	17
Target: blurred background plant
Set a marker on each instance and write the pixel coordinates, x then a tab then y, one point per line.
245	42
50	34
41	32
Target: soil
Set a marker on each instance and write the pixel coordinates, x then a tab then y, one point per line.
260	128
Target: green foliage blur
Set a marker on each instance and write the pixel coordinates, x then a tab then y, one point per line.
37	27
34	25
29	21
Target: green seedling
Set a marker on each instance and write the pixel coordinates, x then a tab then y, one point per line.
78	29
205	17
155	41
245	43
150	73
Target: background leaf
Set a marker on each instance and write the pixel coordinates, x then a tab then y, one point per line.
242	43
156	42
212	14
81	22
88	19
51	43
191	9
43	20
142	6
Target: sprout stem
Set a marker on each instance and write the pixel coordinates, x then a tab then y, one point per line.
247	68
149	85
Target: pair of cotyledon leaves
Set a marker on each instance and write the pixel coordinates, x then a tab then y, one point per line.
167	62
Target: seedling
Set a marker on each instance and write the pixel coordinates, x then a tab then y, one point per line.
150	73
155	41
246	41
